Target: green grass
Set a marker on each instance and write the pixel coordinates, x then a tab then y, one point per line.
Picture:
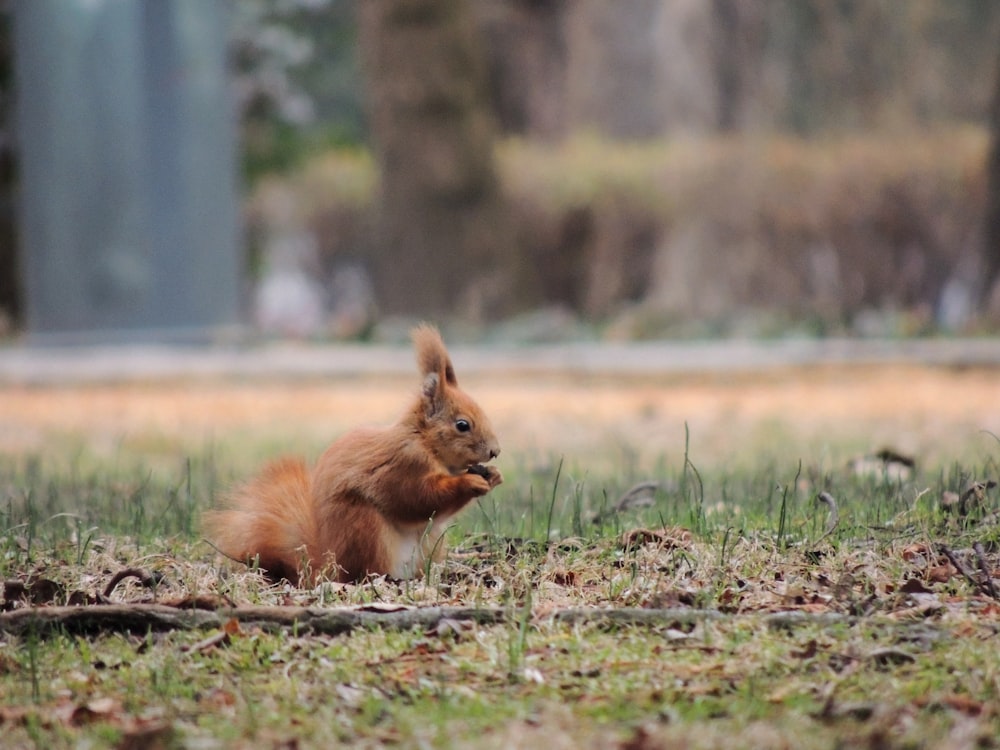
915	670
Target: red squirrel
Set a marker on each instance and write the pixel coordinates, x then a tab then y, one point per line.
378	500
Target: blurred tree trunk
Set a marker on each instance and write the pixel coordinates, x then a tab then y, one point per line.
527	55
441	236
10	288
740	27
991	231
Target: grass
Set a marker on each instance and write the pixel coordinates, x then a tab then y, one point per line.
917	668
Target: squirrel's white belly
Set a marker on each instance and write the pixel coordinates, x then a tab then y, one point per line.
413	545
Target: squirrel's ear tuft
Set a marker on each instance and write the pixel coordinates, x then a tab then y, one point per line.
432	356
432	394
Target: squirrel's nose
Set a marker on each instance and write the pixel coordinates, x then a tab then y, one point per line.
494	452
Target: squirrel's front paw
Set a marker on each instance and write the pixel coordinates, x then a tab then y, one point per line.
491	474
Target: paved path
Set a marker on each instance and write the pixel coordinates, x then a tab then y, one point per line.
22	365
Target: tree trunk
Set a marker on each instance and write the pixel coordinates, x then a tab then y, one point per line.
441	234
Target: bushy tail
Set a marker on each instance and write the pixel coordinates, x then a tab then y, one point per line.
270	521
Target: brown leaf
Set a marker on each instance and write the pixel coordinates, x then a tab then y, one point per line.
564	577
941	573
669	537
844	586
99	709
16	715
641	739
217	699
961	703
913	552
37	592
914	586
806	652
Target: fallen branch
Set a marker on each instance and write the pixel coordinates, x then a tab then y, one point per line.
636	616
143	618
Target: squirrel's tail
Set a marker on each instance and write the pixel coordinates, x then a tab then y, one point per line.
269	521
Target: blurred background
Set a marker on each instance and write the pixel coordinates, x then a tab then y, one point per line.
529	169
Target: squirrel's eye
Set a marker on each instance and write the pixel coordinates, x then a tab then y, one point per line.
462	425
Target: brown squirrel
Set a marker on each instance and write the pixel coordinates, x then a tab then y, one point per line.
378	500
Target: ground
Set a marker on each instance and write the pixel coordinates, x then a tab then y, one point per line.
735	611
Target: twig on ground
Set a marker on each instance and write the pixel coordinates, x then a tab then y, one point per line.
961	568
833	520
146	579
985	568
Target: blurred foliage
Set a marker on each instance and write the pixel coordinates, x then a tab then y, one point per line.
665	236
297	80
805	66
870	63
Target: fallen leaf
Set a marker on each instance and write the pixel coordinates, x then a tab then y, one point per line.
563	577
941	573
217	699
913	552
669	537
641	739
16	715
99	709
914	586
806	652
844	586
960	703
37	592
8	665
